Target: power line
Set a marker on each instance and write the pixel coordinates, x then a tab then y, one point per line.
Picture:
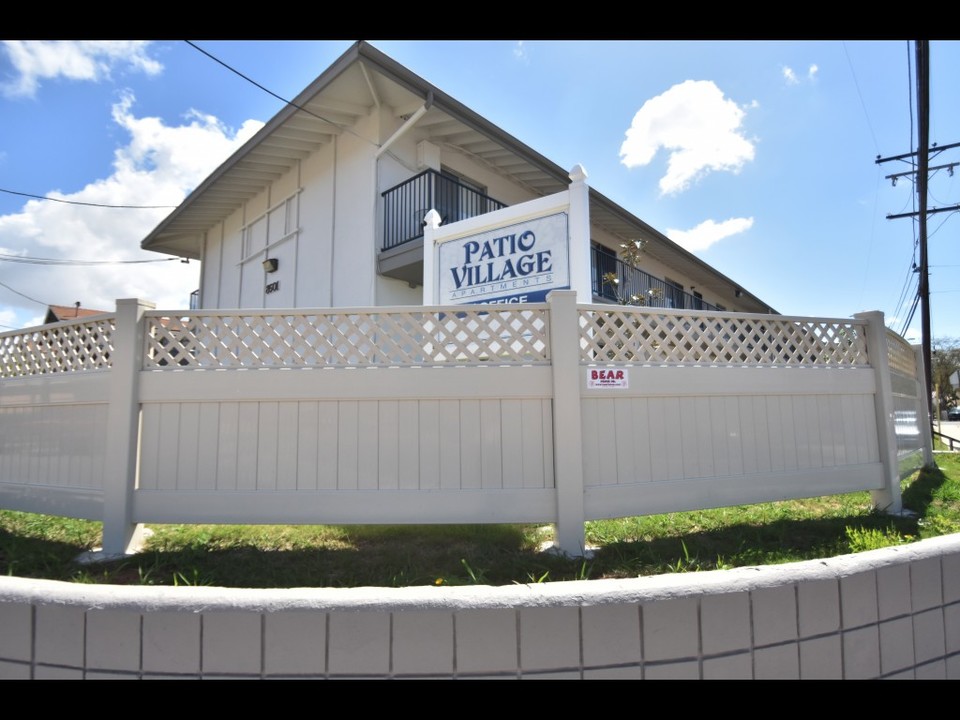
88	204
4	257
937	229
906	290
38	302
913	309
860	95
910	89
278	97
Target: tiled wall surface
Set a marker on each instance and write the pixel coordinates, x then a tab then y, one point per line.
891	613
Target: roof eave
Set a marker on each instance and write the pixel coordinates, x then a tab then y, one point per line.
708	269
154	240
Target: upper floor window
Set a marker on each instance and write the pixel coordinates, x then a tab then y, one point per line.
674	293
459	198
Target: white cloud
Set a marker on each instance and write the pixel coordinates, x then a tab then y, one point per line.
90	60
159	166
708	233
791	77
697	125
8	319
520	52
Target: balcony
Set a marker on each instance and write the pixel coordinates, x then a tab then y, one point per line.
401	251
404	209
636	287
405	205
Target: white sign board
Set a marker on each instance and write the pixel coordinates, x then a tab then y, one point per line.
608	378
514	264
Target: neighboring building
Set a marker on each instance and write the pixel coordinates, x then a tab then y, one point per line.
56	313
324	207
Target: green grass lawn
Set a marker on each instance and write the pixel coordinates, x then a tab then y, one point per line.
40	546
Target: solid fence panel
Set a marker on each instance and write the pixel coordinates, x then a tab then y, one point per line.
54	390
732	408
449	414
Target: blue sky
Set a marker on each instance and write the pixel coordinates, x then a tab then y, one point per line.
758	156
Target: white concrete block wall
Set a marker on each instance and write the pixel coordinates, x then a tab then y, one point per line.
892	613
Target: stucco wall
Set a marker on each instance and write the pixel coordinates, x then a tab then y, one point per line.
892	613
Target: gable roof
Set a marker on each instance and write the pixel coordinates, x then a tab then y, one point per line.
56	313
364	77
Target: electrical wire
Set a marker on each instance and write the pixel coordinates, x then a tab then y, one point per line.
913	291
38	302
931	234
863	105
4	257
910	113
910	90
904	291
913	309
910	86
278	97
88	204
937	200
907	281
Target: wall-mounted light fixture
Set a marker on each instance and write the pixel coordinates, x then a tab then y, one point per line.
271	264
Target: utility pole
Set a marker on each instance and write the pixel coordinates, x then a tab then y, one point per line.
922	171
923	144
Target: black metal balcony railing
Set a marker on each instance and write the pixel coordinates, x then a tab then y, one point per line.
636	287
405	205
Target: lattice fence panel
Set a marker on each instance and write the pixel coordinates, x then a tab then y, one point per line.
349	338
900	355
72	347
661	338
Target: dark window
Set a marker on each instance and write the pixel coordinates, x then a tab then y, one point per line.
674	293
605	261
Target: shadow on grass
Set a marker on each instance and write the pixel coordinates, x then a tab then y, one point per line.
773	542
37	558
371	566
399	556
920	493
455	555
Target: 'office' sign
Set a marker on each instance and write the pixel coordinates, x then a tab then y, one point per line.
515	264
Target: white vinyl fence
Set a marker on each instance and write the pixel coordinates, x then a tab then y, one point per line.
552	412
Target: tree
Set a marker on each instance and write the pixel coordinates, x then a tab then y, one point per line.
625	291
945	366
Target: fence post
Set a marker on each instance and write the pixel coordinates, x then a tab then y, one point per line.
925	417
121	534
579	219
430	224
567	437
886	498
